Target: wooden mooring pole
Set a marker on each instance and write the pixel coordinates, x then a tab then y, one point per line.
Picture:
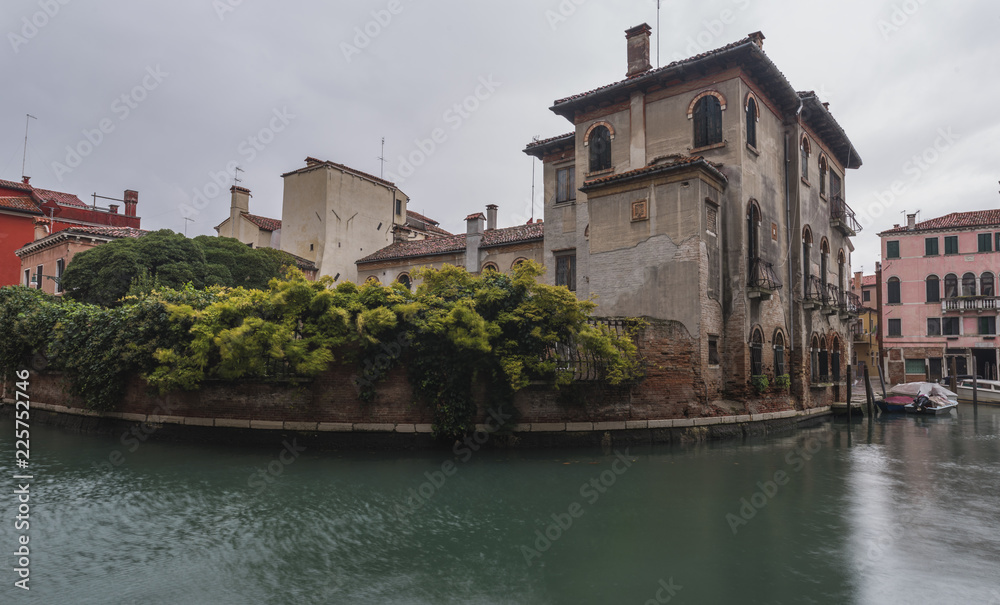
975	393
869	394
849	406
953	377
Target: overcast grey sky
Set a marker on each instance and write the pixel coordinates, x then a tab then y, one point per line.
184	88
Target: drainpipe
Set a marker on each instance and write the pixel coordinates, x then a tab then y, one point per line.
788	243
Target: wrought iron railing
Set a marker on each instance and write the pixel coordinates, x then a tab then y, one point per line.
763	275
832	295
587	367
814	289
843	215
850	303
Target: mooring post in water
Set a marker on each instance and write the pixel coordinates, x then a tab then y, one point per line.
975	393
849	377
869	393
952	377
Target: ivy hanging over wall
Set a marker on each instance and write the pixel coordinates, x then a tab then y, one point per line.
458	329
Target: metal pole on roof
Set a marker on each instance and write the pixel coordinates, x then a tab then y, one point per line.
24	156
657	33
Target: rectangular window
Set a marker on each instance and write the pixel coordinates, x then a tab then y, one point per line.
892	249
951	244
38	276
866	296
835	185
895	327
27	278
951	326
566	184
931	246
566	270
933	290
915	366
399	207
933	326
997	242
988	326
60	265
894	293
985	242
713	350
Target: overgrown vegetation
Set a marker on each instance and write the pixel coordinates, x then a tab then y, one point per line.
164	259
459	329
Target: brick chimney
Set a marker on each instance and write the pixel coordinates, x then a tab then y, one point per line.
113	208
491	216
131	199
911	222
41	228
26	180
758	39
473	238
638	49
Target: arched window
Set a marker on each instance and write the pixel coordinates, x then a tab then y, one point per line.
824	361
404	279
707	121
373	280
751	118
986	284
824	261
822	175
753	236
779	354
835	359
893	297
933	288
757	352
969	284
490	267
951	286
814	359
807	240
517	263
600	148
805	157
841	270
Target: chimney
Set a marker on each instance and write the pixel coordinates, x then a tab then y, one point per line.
758	39
25	180
241	198
113	208
911	222
311	161
638	49
473	238
41	228
131	199
858	281
491	216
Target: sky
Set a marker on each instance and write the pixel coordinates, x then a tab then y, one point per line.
166	98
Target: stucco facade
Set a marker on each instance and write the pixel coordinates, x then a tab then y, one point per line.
251	229
939	293
333	215
731	231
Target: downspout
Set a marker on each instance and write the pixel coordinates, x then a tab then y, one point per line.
788	244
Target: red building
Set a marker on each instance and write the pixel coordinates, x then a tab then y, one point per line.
21	204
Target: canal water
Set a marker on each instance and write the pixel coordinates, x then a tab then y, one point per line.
905	510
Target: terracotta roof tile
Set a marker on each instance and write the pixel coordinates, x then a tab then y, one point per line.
107	231
475	216
58	197
868	280
313	163
955	220
267	224
421	218
14	185
23	204
455	243
533	144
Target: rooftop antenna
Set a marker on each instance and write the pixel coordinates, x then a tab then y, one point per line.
534	139
381	160
236	181
657	33
24	156
189	220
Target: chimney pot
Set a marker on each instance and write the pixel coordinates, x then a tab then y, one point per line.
131	198
758	39
41	228
491	216
25	180
638	49
113	208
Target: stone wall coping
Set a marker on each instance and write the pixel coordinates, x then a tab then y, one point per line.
371	427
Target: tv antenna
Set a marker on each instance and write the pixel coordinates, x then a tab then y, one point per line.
381	160
24	156
535	140
236	180
657	33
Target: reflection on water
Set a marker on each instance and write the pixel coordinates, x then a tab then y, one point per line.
908	513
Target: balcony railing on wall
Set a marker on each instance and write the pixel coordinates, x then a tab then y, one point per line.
762	275
815	292
850	303
970	303
843	218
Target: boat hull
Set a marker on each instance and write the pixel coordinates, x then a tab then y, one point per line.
988	391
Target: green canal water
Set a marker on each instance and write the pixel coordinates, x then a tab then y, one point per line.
906	510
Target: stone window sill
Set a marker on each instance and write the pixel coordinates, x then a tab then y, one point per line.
753	150
805	182
708	147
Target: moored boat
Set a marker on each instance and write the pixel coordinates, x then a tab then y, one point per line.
987	391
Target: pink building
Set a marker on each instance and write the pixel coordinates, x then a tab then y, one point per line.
939	296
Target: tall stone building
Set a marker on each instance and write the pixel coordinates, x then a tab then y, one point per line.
709	194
